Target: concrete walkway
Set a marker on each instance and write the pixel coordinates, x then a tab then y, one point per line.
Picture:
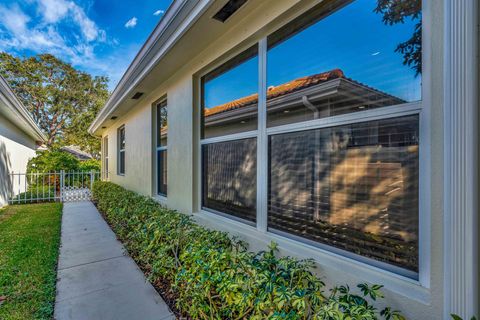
96	280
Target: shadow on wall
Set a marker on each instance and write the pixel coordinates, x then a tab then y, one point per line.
6	187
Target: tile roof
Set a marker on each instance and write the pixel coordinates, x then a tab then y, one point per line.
77	152
280	90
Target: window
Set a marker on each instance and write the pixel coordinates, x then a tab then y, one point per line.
161	147
229	177
229	124
334	133
121	150
105	157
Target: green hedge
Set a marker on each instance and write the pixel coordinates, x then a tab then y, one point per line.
214	276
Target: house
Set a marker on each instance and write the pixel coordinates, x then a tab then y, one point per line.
345	131
20	136
77	152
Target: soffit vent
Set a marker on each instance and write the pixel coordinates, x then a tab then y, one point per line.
228	10
137	95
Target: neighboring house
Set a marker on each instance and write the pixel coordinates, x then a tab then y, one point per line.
319	126
77	152
19	138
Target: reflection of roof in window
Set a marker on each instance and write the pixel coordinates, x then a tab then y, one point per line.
280	90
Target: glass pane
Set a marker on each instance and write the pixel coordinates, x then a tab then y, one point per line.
230	177
105	146
122	162
121	134
343	57
106	168
230	99
162	172
162	124
353	187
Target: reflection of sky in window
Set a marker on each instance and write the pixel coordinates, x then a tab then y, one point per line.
354	39
236	83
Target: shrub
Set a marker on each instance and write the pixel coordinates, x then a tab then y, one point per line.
57	160
214	276
50	161
39	193
89	165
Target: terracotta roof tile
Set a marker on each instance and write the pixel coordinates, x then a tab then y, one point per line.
277	91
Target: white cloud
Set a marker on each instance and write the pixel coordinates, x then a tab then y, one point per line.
131	23
159	12
19	32
54	11
82	43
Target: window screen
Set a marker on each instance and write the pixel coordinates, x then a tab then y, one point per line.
229	178
121	150
353	187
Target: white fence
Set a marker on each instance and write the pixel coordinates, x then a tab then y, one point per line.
51	186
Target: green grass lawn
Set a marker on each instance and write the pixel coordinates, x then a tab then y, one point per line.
29	244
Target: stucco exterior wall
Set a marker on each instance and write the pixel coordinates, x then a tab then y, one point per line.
16	148
416	300
138	146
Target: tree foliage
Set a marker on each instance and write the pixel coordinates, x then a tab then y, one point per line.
396	11
62	100
56	160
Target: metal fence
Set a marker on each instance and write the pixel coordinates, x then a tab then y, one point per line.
63	186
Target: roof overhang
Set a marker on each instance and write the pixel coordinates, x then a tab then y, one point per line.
13	110
179	18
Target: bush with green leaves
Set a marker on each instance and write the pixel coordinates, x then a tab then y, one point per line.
214	276
51	161
56	160
36	193
89	165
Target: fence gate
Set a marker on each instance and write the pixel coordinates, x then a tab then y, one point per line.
64	186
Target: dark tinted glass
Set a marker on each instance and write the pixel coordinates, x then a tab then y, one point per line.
230	178
353	187
121	168
229	96
162	172
344	57
121	135
162	128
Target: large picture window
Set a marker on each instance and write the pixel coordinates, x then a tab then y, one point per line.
336	128
121	150
161	147
229	124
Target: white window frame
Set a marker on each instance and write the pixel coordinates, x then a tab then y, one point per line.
159	148
421	108
120	151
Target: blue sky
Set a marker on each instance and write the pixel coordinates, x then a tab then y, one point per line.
100	37
353	39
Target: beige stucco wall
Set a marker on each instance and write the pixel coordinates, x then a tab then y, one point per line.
16	148
417	301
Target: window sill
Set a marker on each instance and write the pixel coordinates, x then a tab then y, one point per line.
160	198
412	289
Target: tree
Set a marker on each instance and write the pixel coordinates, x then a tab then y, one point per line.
62	100
396	11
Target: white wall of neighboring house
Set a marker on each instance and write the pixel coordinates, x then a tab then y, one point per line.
177	76
19	138
16	148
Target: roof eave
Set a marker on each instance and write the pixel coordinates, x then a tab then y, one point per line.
179	17
18	109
